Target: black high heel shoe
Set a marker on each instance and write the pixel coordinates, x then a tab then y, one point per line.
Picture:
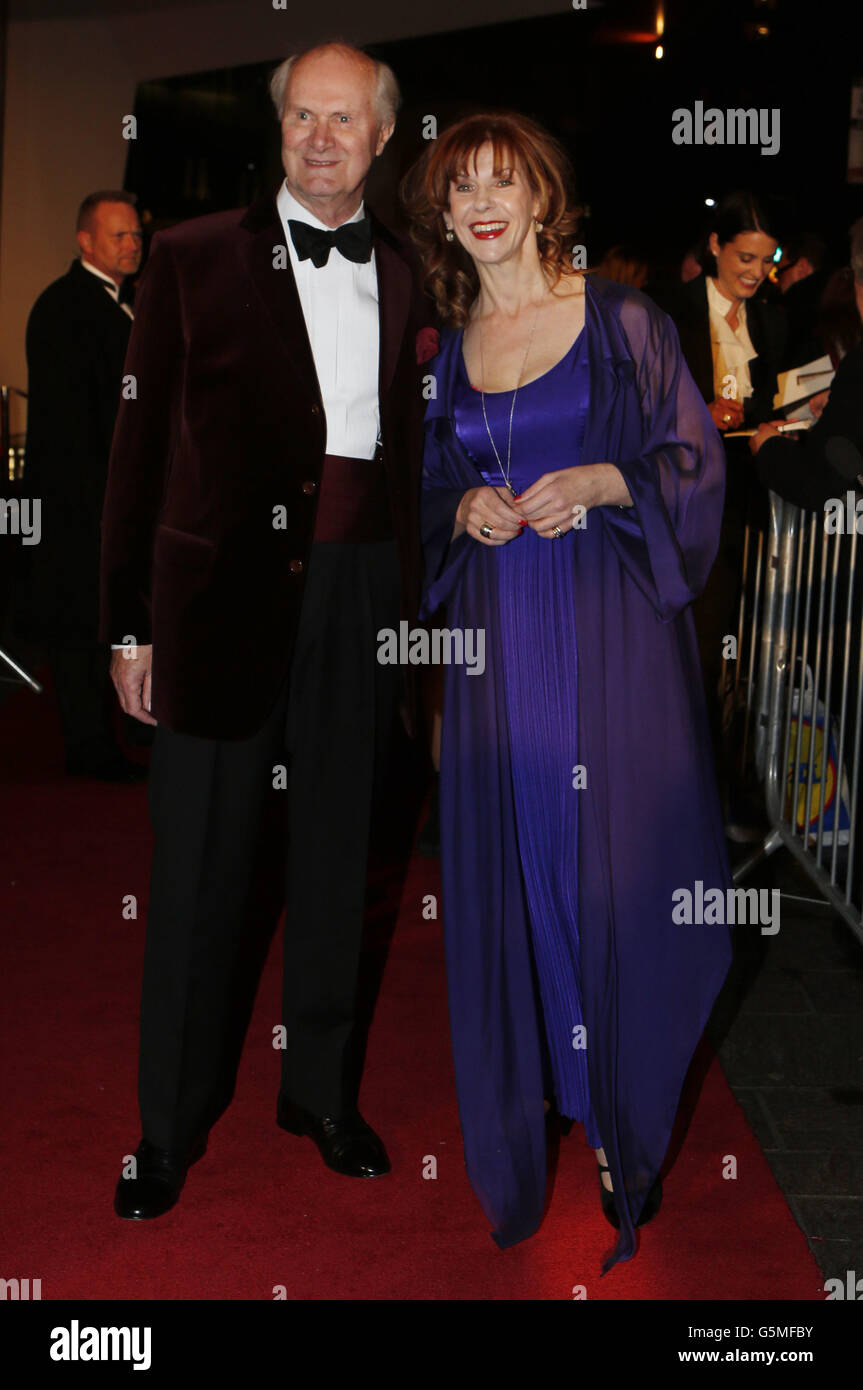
652	1202
609	1210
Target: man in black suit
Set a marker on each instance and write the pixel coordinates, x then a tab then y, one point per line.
77	336
260	528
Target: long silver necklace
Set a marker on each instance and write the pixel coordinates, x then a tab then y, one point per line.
506	475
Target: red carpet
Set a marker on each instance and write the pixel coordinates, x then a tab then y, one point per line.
260	1210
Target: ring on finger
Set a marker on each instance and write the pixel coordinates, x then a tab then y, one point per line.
486	530
557	533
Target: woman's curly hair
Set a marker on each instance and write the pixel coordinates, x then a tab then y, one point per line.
517	142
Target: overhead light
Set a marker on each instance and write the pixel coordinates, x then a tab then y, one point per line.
659	51
710	202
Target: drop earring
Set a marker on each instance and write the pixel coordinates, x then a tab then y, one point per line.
450	236
538	227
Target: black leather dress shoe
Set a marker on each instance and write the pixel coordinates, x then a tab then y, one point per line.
347	1144
158	1182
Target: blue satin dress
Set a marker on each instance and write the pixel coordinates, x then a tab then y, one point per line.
548	425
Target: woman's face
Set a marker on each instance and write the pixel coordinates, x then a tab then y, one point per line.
491	211
743	264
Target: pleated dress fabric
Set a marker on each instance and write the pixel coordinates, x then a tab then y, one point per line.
577	786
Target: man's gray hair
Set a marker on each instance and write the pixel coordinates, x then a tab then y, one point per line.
387	94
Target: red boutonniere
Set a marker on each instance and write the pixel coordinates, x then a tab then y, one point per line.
428	344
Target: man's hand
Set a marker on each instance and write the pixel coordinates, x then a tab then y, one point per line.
131	677
551	501
491	507
769	430
817	403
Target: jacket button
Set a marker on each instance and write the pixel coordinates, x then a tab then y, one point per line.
309	487
316	410
296	566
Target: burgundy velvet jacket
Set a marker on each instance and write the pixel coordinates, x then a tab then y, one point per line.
226	423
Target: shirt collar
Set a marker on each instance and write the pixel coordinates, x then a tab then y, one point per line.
106	280
719	305
289	208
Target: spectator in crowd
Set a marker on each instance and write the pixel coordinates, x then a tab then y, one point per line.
731	339
77	335
733	344
624	266
838	321
690	266
802	276
827	460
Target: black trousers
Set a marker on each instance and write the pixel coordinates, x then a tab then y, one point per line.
330	731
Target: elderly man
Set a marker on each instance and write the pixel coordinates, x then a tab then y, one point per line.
259	529
77	336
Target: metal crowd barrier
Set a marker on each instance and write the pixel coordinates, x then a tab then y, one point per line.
799	685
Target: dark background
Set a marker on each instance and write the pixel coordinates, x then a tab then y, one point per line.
591	77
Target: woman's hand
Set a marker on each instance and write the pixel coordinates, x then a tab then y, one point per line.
550	503
490	507
726	415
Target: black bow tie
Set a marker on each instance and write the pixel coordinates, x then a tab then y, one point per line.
352	239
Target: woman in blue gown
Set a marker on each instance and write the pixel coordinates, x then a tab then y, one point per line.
572	496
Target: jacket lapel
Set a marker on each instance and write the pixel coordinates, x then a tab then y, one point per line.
394	297
698	350
277	288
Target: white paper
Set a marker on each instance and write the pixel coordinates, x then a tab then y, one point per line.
816	375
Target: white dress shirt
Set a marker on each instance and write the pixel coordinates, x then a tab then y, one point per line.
732	348
340	306
109	284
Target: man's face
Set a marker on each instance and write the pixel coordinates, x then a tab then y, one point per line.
790	271
330	134
113	240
